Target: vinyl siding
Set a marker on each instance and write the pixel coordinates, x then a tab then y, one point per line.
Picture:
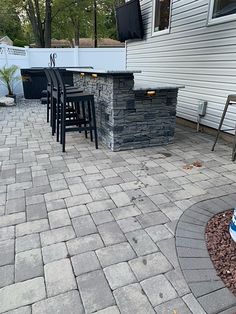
201	57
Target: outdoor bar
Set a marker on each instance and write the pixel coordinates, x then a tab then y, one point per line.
130	115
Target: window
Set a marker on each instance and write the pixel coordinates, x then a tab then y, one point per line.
161	16
222	11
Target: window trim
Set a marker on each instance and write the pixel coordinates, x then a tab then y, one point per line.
164	31
218	20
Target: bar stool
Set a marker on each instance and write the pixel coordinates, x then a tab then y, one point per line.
76	112
53	85
231	100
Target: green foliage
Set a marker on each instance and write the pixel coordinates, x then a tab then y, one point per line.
20	42
10	23
8	77
71	19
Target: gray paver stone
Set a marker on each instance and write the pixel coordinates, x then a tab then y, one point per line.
193	304
26	292
129	224
59	277
6	275
131	299
152	219
84	225
56	204
15	205
84	244
78	200
59	218
36	211
177	280
188	252
120	199
145	205
20	310
84	263
7	233
119	275
54	252
150	265
28	265
99	206
198	275
109	310
114	254
69	302
111	233
13	219
95	292
217	301
76	211
27	242
202	288
158	289
6	252
32	227
141	242
173	306
167	247
102	217
158	233
57	235
125	212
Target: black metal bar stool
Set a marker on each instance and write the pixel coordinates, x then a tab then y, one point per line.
231	100
76	112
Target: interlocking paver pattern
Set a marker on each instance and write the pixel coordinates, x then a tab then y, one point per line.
95	231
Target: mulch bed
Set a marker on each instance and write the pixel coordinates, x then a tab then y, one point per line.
222	249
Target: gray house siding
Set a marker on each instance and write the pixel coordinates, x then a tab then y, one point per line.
201	57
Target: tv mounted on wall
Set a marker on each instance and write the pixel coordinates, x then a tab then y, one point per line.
129	21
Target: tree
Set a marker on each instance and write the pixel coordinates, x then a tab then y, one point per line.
38	13
10	23
74	21
66	19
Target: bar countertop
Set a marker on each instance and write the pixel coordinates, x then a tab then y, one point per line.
100	71
138	86
141	86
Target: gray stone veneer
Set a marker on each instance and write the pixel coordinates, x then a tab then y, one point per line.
128	119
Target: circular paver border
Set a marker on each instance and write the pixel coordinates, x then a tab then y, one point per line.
194	259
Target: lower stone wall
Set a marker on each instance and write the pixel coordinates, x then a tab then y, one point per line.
128	119
150	122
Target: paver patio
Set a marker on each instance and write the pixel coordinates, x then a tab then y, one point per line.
93	230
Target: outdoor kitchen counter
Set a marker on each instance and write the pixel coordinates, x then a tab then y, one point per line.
130	114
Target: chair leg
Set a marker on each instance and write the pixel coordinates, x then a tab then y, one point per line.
234	146
84	117
221	122
58	120
47	107
63	130
90	121
94	124
53	116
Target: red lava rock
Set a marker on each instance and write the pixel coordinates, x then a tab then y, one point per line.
222	249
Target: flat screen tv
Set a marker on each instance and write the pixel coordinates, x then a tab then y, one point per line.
129	21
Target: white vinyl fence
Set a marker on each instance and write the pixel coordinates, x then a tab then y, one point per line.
98	58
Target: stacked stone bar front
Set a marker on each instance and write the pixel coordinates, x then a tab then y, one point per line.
127	117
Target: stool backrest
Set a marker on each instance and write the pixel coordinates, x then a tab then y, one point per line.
46	71
61	84
55	85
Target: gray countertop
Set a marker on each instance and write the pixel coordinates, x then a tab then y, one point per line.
97	71
139	86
